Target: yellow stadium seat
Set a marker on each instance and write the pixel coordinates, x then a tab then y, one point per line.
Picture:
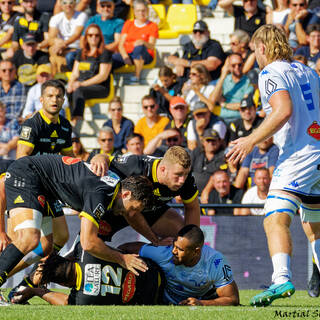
92	102
161	11
130	15
166	2
131	68
201	2
180	20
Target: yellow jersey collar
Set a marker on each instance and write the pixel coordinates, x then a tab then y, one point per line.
45	118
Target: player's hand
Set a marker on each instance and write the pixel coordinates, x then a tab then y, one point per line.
190	302
133	263
179	70
23	295
100	164
4	241
241	148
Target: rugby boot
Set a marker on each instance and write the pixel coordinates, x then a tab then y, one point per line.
275	291
314	283
3	301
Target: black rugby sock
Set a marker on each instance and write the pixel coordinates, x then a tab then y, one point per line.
9	258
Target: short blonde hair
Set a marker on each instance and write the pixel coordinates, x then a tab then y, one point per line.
177	155
276	42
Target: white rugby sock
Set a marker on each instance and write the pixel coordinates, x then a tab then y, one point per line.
315	245
281	268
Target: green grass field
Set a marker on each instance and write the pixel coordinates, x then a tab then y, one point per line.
300	306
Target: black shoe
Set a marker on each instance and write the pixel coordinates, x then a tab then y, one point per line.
314	283
21	286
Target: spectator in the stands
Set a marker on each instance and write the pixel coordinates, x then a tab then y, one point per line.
180	117
201	49
203	119
137	41
207	158
9	135
276	15
297	21
110	26
248	17
90	75
232	86
223	192
105	141
317	67
33	103
65	29
264	155
257	194
158	146
249	119
165	89
7	18
12	93
152	123
312	50
78	149
135	144
121	126
239	43
28	59
32	21
197	88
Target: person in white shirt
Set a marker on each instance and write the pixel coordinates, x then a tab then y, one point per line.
258	193
65	29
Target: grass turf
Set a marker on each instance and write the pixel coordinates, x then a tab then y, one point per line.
299	306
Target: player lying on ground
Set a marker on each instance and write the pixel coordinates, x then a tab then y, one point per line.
195	273
94	282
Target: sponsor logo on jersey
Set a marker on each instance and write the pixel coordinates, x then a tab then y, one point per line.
18	200
104	228
42	200
271	86
128	287
217	262
92	278
65	129
45	140
111	179
294	184
25	132
61	141
314	130
70	160
54	134
98	212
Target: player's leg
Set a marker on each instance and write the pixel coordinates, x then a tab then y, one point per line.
279	210
310	218
26	224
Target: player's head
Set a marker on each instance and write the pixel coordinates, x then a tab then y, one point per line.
271	44
187	247
174	168
135	195
58	270
52	96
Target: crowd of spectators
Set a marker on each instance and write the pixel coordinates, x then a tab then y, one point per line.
202	99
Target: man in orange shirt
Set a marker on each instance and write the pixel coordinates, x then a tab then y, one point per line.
152	123
137	41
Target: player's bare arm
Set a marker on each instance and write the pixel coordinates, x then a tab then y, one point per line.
281	112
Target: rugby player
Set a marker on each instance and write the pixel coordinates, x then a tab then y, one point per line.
94	282
290	97
171	177
32	181
196	274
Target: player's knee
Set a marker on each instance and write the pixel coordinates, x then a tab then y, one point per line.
27	239
279	207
